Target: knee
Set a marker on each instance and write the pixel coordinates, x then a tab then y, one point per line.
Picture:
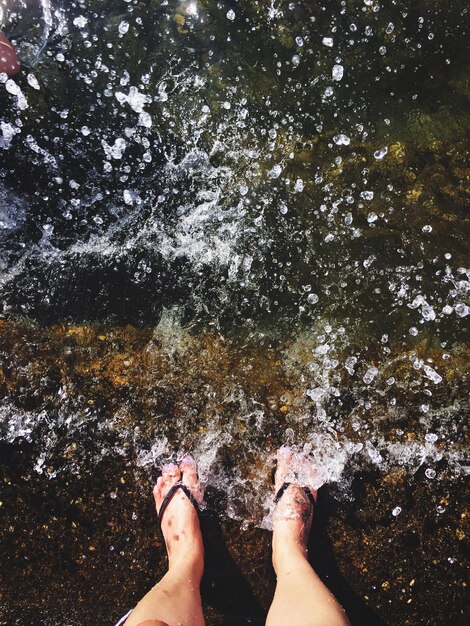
9	62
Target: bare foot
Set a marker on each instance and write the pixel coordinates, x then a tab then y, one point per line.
180	522
294	511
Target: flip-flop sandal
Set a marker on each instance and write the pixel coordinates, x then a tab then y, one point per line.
306	490
171	493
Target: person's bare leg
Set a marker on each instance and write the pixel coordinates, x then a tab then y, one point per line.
176	599
301	599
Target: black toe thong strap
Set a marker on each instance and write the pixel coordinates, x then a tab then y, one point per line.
306	490
171	493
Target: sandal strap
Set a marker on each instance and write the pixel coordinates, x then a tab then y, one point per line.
171	493
306	490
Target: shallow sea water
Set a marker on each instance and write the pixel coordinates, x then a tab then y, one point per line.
224	227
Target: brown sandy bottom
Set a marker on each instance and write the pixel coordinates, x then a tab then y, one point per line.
88	412
79	536
72	554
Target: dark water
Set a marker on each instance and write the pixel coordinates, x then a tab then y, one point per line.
230	225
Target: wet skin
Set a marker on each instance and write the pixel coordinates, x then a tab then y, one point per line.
9	62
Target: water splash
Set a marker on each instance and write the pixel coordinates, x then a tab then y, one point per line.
212	196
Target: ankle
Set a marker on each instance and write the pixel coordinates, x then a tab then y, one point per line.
187	552
189	565
286	561
288	549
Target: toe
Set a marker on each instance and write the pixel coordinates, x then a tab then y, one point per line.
188	468
158	487
190	478
312	476
171	474
284	462
159	491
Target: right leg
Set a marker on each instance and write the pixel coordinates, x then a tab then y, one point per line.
301	599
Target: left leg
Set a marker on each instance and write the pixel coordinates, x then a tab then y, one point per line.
176	599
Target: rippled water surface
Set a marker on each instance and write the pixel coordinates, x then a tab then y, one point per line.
225	226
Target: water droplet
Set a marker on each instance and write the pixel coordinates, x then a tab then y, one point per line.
80	21
145	119
379	154
32	81
418	301
128	196
370	375
231	15
432	374
349	364
341	140
337	72
462	309
428	313
275	172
